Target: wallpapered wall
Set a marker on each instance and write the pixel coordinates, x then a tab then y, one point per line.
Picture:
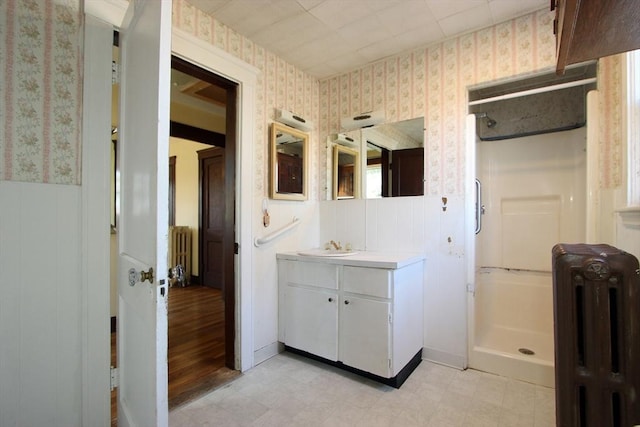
433	83
40	112
279	85
41	95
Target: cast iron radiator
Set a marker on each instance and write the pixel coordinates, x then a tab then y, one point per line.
596	302
180	250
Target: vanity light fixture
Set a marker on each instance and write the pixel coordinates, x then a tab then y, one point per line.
293	120
344	139
362	120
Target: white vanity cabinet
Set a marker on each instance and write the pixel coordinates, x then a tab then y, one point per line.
309	292
317	333
364	311
365	324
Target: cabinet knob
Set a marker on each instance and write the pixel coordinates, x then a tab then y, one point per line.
346	302
330	299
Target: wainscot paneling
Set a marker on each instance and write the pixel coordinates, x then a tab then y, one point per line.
40	308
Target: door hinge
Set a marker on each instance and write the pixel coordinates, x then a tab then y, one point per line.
115	73
390	318
389	363
114	378
236	248
471	288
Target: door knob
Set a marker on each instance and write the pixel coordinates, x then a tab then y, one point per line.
147	276
141	276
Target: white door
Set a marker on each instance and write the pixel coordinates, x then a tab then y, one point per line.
311	321
365	334
145	55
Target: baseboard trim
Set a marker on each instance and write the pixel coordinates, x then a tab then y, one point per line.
394	382
444	358
266	352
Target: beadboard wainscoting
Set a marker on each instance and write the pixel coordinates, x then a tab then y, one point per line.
41	305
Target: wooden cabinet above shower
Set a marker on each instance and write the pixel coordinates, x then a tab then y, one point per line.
591	29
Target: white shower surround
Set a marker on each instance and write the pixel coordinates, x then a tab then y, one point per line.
504	323
539	190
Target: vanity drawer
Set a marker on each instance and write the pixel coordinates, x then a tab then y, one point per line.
310	274
367	281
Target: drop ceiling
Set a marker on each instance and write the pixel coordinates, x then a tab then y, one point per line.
331	37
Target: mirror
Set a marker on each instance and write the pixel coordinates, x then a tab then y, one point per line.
392	158
289	160
346	172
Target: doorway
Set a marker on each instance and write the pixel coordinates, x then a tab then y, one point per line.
101	19
201	353
201	308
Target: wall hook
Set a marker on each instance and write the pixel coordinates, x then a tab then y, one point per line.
266	219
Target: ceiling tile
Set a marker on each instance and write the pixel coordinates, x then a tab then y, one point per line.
338	13
323	70
291	32
444	8
470	19
348	61
364	32
503	10
329	37
308	4
420	36
403	17
209	6
380	50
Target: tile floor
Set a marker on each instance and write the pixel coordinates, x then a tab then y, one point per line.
290	390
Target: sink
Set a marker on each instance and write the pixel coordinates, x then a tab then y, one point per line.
326	252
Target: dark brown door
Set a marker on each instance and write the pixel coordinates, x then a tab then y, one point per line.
213	220
407	172
172	190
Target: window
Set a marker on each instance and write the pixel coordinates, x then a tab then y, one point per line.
633	129
374	181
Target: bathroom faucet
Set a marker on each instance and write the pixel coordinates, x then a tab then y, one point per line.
336	245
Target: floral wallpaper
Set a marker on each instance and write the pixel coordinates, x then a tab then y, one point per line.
40	111
41	93
280	86
433	82
611	121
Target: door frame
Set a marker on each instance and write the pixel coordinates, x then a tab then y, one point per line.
101	17
217	61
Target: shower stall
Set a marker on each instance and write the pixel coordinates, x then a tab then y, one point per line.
531	192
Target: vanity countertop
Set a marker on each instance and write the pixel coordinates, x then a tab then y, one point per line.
370	259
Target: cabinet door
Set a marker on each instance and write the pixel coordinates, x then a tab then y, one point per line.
365	334
311	321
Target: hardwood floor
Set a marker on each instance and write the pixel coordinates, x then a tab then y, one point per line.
196	345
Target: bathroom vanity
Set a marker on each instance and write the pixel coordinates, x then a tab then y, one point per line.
362	312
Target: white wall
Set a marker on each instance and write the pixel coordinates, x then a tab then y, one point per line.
187	189
41	305
628	237
265	281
